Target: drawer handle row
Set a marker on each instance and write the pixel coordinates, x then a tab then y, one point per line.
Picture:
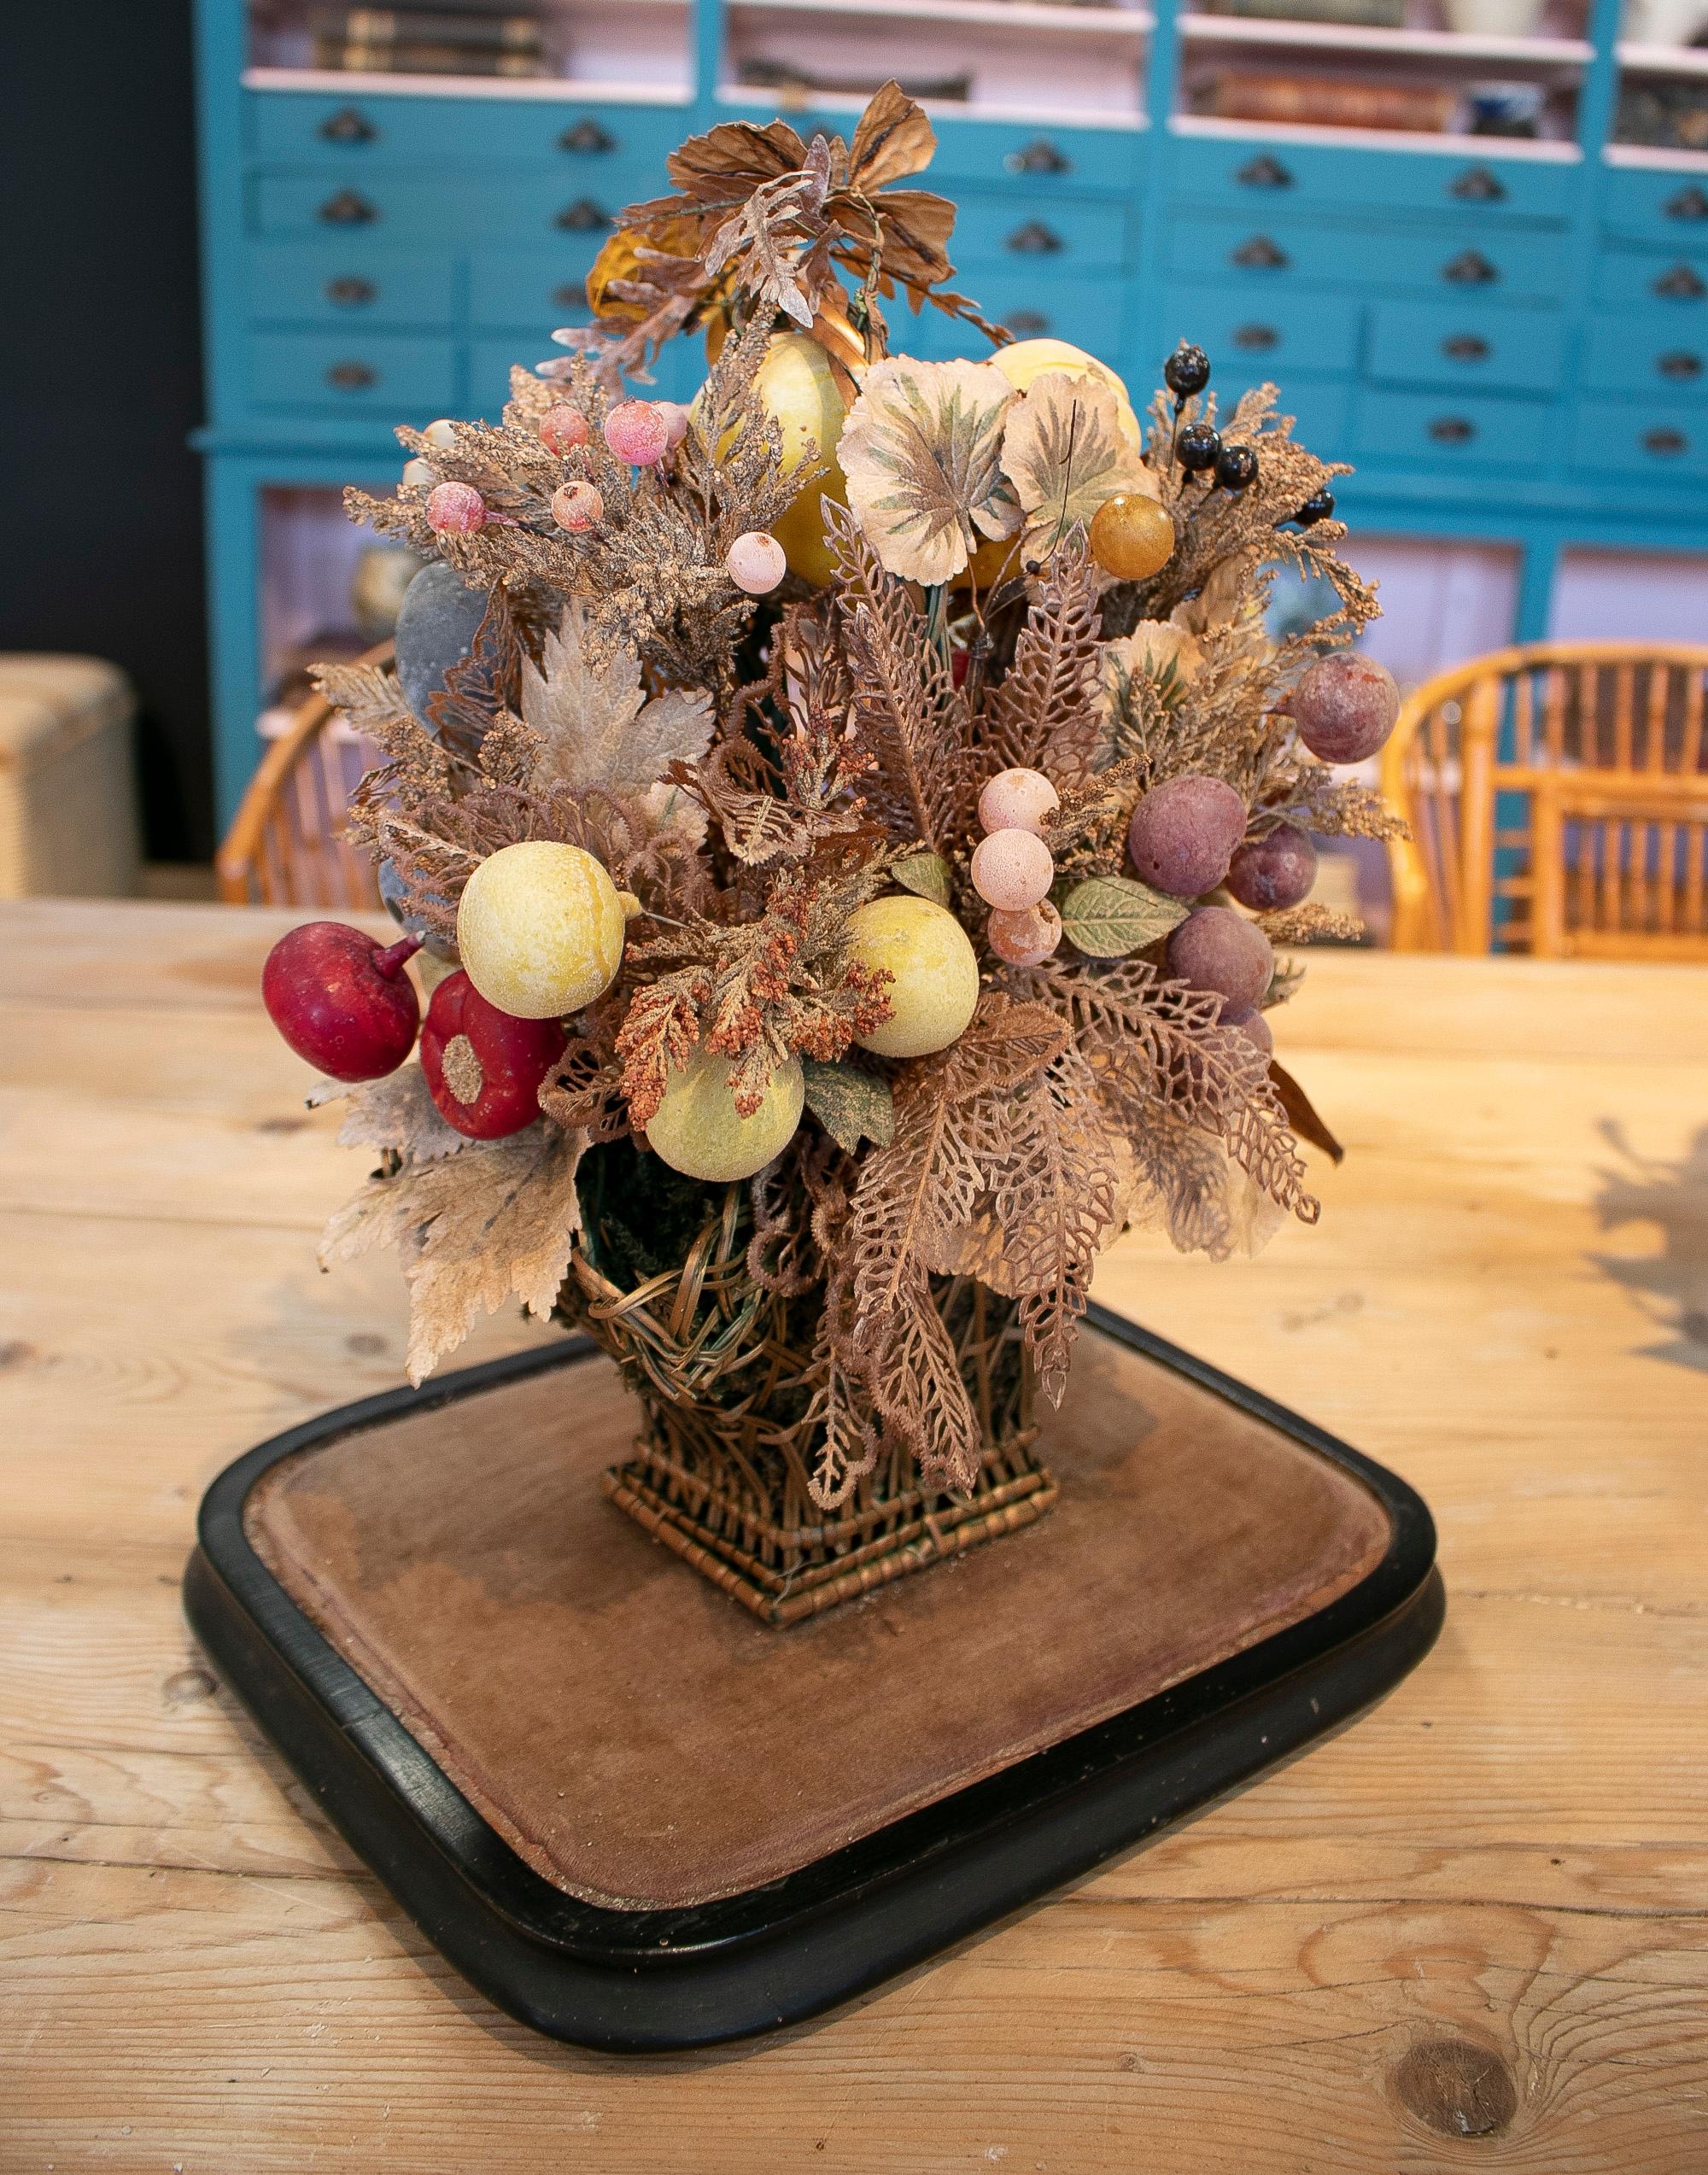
1453	431
1034	239
1680	365
1039	156
350	294
587	138
1470	268
1259	254
1666	445
1465	348
347	209
1691	203
1680	284
582	217
352	376
347	125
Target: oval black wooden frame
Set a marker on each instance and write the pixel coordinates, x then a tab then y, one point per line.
662	1979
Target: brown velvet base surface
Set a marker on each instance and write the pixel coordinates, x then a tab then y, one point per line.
643	1741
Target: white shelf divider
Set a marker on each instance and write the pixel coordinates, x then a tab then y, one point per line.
1543	148
1663	60
568	91
1007	14
1367	39
1656	157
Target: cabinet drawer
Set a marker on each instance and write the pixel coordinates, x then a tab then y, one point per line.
1256	173
624	147
391	375
1653	205
1447	430
532	288
1250	337
355	285
1656	442
1085	312
1658	286
1647	359
1064	235
1038	165
443	210
1321	413
1260	256
1508	351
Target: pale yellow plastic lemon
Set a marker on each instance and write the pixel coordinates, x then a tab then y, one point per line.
540	929
935	970
697	1129
795	387
1023	360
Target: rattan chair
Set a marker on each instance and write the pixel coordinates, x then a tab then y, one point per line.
1558	797
286	843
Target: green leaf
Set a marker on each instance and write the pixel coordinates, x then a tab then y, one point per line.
1106	917
927	874
851	1105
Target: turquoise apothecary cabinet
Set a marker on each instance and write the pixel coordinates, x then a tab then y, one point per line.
1509	339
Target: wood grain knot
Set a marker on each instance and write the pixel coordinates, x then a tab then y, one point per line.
14	1353
186	1685
1456	2088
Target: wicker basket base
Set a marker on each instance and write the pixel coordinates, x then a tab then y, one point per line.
923	1529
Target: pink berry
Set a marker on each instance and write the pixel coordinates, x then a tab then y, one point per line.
676	422
340	1001
755	563
1345	707
1012	870
637	432
1219	952
1183	832
1271	873
1254	1026
1017	800
577	506
456	510
1028	937
563	428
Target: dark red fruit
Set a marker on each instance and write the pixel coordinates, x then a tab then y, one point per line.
1271	873
1219	952
1345	706
341	1000
483	1067
1183	832
1254	1026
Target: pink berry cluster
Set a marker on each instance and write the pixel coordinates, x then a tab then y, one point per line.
1012	868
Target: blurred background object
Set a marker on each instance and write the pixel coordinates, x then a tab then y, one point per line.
68	779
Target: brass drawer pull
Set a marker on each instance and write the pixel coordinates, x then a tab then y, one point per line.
583	217
1477	185
1470	268
1681	366
350	294
1259	254
347	125
1034	239
1255	339
1680	284
347	209
1263	173
1691	203
1453	431
1039	156
587	138
352	376
1465	348
1665	444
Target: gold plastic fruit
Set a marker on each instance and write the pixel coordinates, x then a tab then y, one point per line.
1132	536
697	1129
1023	360
540	929
934	971
795	387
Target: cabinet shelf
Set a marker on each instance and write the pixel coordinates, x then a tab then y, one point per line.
1657	157
1545	149
1005	15
1367	40
567	90
1663	60
1030	114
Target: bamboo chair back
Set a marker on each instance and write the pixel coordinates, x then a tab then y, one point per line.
286	845
1557	794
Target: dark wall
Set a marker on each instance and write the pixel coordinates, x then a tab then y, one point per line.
99	372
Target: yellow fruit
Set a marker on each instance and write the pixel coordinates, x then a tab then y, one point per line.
794	386
698	1131
935	973
1023	360
1132	537
540	929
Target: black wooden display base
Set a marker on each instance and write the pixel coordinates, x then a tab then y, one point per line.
637	1820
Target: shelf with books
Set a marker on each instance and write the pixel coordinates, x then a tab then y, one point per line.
551	48
1550	151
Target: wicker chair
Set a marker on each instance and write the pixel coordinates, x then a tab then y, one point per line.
1558	797
286	844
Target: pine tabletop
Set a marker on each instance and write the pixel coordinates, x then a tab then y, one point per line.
1476	1915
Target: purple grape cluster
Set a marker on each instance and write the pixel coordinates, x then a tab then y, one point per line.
1183	834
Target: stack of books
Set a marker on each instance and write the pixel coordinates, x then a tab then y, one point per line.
428	41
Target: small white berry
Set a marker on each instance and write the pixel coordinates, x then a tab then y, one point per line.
1013	869
756	562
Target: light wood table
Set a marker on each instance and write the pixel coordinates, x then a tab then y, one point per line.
1479	1910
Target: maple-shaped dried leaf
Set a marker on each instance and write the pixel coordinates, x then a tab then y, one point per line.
774	232
1064	453
921	452
399	1115
851	1103
596	726
493	1224
892	139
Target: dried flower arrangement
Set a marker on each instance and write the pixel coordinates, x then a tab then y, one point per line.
863	807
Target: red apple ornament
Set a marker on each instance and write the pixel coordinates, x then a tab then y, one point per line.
483	1067
341	1000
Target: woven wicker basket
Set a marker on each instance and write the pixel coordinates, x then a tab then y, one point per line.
720	1469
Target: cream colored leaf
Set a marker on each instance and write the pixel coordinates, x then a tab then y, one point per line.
921	452
1064	453
597	728
493	1224
399	1113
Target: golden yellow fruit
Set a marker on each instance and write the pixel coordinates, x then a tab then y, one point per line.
620	259
795	387
540	929
1023	360
697	1129
1132	537
934	971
